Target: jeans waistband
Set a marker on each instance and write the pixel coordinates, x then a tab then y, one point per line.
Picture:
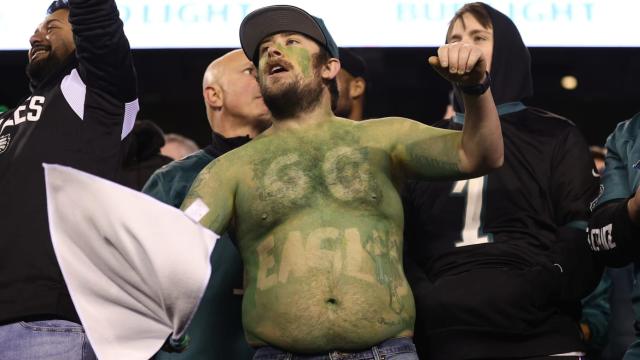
388	347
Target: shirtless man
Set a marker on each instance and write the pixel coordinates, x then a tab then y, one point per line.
313	201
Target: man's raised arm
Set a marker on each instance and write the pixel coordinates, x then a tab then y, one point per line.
481	148
102	48
423	152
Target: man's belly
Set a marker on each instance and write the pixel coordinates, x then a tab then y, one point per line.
324	314
327	289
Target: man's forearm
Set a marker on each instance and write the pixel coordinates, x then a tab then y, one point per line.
102	49
613	235
482	148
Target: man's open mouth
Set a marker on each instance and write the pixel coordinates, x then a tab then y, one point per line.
38	50
277	67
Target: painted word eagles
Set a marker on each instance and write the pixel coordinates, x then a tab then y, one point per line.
324	248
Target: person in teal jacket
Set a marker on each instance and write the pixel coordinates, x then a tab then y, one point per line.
614	228
236	113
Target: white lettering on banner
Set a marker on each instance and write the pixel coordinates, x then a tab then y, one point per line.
189	23
407	23
529	11
187	13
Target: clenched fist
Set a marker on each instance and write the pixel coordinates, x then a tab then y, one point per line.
461	63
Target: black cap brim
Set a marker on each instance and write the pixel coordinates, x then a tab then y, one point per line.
276	19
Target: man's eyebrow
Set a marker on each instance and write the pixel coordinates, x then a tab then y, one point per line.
48	22
286	33
267	39
475	32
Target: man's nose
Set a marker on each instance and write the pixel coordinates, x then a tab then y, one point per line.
274	52
36	38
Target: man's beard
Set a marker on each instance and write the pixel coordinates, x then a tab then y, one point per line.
38	71
293	98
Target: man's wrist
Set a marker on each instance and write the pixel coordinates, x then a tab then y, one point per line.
477	89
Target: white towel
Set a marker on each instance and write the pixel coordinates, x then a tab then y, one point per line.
136	268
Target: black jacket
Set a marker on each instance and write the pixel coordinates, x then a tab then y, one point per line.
143	155
499	263
76	117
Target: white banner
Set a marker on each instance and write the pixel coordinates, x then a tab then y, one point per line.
353	23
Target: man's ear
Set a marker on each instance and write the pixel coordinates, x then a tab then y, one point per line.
357	86
331	69
213	96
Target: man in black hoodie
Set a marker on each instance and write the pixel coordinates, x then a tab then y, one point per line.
499	263
83	102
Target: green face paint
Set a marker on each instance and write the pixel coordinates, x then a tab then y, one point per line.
294	54
301	56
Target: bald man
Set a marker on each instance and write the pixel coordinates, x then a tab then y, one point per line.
236	114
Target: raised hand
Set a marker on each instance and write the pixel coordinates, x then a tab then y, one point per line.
461	63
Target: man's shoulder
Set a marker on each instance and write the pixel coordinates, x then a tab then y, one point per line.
189	164
548	119
626	130
388	120
547	127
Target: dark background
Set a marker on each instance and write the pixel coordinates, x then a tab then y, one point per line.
401	84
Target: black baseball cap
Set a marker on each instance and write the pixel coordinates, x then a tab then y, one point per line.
275	19
353	63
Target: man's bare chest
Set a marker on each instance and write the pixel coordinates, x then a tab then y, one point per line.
282	181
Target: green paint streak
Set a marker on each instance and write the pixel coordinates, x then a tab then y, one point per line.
299	56
381	249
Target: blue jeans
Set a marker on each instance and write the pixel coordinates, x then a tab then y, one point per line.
48	339
392	349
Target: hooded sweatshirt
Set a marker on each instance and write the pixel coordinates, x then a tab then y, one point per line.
498	263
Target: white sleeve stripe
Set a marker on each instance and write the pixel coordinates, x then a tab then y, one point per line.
130	112
74	91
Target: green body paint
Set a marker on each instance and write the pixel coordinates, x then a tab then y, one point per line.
319	223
